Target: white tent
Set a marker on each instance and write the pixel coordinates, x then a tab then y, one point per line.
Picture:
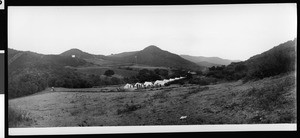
171	79
139	85
148	84
165	80
127	86
159	83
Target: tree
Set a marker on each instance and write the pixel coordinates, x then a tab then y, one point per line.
109	72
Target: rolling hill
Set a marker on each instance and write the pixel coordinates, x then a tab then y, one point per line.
279	59
80	54
21	60
151	56
154	56
205	60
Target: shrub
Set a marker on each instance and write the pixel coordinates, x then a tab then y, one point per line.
109	72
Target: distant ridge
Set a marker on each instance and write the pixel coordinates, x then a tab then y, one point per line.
151	55
212	60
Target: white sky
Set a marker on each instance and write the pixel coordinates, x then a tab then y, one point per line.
228	31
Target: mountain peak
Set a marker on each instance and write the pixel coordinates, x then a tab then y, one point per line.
75	49
77	53
152	47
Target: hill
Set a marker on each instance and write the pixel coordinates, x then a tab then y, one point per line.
205	60
154	56
26	59
150	56
80	54
280	59
30	72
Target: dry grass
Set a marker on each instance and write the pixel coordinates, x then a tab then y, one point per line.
271	100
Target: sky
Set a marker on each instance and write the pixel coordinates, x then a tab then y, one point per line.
234	32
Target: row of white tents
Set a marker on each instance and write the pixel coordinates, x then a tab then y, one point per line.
148	84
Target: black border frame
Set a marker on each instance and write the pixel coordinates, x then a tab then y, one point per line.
4	46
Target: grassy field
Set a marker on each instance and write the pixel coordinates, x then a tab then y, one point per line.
270	100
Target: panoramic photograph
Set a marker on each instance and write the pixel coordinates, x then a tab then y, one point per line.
95	66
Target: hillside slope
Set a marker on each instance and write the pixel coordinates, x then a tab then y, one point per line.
270	100
277	60
80	54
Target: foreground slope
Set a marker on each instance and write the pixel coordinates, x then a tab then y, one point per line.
270	100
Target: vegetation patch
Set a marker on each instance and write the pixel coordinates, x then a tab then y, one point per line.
128	108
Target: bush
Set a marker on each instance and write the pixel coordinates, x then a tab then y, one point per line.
147	75
109	73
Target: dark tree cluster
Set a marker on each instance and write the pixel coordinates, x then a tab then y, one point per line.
156	74
109	73
147	75
30	82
